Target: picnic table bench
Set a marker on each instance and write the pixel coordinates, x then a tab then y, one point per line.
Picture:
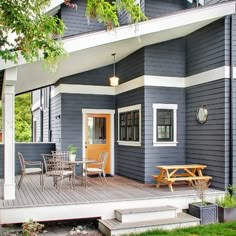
169	174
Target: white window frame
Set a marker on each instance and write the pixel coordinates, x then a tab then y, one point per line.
173	107
127	109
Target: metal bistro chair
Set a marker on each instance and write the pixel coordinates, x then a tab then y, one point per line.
55	167
30	167
99	167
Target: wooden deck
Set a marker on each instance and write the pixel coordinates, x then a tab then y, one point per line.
98	200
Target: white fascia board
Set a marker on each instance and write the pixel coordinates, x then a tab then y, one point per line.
54	4
184	18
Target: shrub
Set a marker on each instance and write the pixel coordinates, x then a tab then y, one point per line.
31	228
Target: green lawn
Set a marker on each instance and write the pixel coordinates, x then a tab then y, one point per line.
227	229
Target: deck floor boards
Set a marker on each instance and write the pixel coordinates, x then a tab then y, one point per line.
118	189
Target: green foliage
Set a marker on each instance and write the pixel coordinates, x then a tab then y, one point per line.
36	35
34	32
72	149
23	118
31	228
229	199
106	12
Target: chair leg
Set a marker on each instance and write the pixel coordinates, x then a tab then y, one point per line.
104	176
20	181
42	181
61	180
100	175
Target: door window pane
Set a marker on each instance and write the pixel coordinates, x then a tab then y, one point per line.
96	130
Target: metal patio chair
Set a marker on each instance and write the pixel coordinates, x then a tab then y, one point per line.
99	167
55	167
30	167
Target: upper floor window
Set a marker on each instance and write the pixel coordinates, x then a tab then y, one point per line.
129	125
165	124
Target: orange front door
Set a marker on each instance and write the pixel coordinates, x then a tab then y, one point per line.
98	137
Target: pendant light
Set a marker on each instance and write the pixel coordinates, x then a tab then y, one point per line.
114	81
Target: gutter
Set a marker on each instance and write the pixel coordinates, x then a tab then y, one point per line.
41	115
49	117
231	153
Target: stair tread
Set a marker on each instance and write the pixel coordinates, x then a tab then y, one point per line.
114	224
145	209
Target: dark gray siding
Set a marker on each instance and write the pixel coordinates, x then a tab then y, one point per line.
155	8
99	76
206	48
234	97
166	59
71	116
56	123
209	143
163	155
36	117
130	161
30	151
76	21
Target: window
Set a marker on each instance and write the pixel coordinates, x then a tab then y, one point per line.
165	124
129	125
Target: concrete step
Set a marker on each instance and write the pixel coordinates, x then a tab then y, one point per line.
114	227
150	213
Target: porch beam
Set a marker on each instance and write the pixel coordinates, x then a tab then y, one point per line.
8	115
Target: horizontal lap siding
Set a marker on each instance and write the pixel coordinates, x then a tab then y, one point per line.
209	143
130	161
163	155
206	48
75	20
30	151
36	96
71	118
155	8
166	59
56	123
212	2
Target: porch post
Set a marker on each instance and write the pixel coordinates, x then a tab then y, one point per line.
8	117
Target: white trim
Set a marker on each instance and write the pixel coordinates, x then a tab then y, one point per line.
112	133
35	106
173	107
147	80
127	109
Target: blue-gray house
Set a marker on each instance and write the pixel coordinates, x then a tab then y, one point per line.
181	59
179	63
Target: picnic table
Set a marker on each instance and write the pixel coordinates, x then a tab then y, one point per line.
169	174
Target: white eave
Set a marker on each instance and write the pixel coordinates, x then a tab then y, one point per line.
90	51
54	6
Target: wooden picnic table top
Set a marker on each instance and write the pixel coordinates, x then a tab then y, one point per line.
186	166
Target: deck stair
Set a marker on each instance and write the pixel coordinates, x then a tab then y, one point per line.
138	220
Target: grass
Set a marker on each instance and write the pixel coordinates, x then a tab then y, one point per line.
227	229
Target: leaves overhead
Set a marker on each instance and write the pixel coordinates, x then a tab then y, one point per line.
25	28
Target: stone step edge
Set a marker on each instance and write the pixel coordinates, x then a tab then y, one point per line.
145	210
181	218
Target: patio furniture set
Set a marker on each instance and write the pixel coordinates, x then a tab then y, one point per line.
58	166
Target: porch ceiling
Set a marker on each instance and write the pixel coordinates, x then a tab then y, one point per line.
87	52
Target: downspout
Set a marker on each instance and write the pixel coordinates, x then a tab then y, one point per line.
41	115
32	119
231	105
49	117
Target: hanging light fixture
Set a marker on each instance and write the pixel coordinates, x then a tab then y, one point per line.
114	81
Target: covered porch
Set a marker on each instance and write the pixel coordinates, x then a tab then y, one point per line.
96	201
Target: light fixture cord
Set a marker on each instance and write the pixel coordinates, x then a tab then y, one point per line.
114	66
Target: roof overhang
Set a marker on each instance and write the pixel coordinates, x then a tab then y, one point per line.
90	51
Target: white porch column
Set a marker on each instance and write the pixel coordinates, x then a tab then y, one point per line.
8	120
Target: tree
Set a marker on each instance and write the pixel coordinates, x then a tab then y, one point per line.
37	35
23	118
